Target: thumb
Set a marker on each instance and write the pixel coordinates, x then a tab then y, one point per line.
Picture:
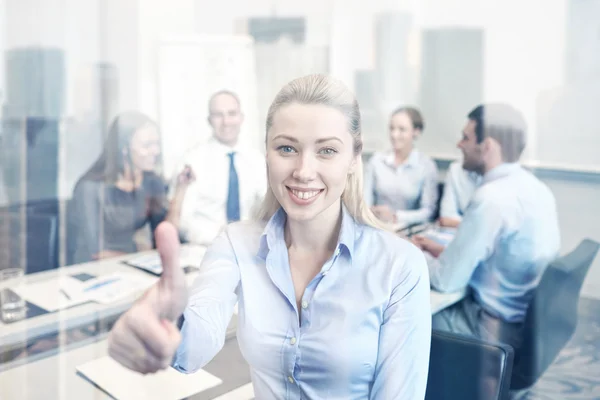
167	243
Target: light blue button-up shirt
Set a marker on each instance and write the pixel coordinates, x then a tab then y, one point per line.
409	189
459	187
508	236
364	328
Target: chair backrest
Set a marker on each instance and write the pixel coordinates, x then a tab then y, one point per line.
552	314
42	243
38	223
466	368
71	232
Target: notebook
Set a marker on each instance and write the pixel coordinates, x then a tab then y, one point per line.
124	384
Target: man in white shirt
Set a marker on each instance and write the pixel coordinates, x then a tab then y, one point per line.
508	235
219	181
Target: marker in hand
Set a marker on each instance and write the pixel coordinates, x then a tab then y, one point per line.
145	338
186	176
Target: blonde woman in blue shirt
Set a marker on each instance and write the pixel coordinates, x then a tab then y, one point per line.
330	305
401	184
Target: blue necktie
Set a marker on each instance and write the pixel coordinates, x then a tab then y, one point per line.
233	194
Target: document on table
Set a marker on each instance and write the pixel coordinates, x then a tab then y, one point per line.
109	288
66	291
124	384
190	259
51	294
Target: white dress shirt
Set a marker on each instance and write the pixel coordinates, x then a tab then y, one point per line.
508	236
203	213
459	187
409	189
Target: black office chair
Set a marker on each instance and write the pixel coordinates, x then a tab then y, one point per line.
71	232
466	368
552	315
38	224
42	243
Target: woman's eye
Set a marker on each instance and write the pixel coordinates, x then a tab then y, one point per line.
328	151
286	149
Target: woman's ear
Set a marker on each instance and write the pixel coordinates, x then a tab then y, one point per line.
417	134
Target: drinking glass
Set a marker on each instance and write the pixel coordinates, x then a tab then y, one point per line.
12	306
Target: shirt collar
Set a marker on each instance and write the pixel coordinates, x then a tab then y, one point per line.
274	232
411	161
221	148
501	171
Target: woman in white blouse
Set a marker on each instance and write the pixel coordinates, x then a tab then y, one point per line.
401	184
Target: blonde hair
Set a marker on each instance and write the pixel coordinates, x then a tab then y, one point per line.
327	91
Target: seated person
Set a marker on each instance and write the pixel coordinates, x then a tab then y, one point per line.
120	193
508	235
459	187
401	185
218	181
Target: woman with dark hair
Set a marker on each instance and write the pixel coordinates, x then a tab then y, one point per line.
401	184
121	191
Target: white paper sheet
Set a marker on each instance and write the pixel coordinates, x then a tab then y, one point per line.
65	291
109	288
124	384
48	294
190	256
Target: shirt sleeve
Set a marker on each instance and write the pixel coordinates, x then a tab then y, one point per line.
369	183
210	307
405	338
449	205
473	243
428	201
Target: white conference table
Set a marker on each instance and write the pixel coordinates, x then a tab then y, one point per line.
53	376
17	333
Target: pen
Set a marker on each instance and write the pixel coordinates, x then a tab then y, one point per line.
65	294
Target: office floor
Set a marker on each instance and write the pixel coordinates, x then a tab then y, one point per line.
575	375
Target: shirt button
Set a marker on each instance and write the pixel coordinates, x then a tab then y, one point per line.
290	379
304	304
293	341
